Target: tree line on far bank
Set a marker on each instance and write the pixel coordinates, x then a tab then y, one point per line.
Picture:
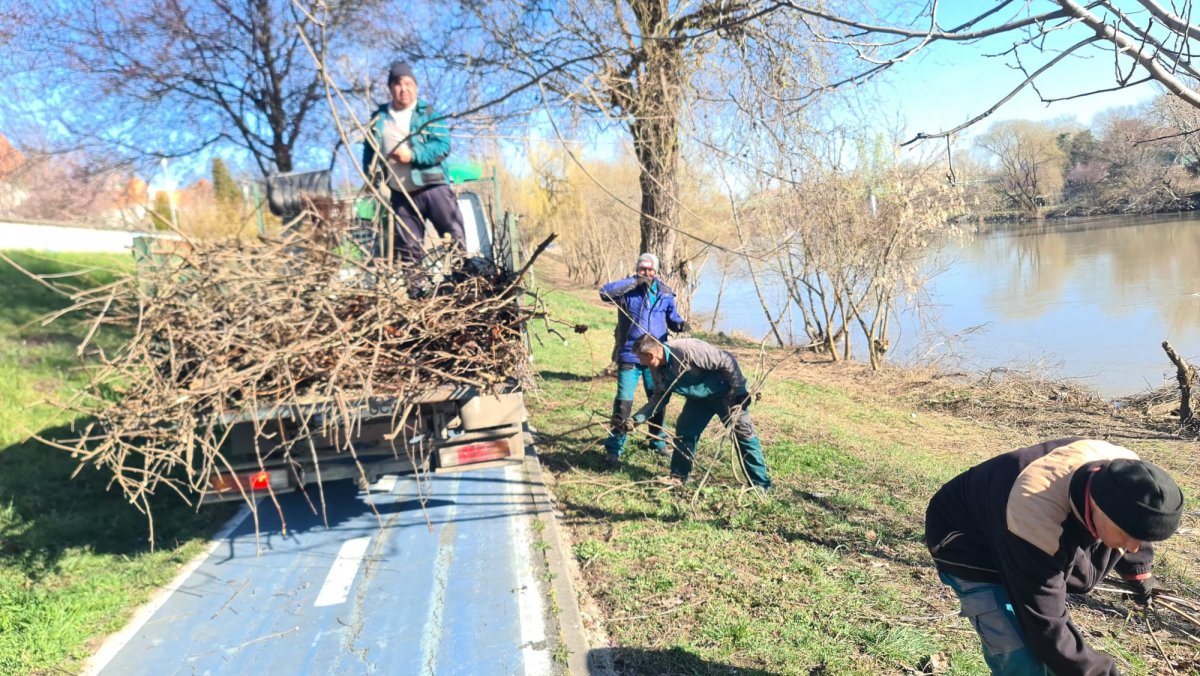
1136	160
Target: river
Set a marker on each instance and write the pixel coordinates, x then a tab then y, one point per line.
1085	299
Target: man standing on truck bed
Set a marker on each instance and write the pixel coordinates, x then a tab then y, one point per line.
1014	535
712	383
645	305
413	144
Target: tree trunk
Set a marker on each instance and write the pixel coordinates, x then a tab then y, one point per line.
1185	374
656	144
658	153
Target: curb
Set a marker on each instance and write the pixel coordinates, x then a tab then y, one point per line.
582	660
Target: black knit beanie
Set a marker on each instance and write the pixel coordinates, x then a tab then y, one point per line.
398	70
1140	497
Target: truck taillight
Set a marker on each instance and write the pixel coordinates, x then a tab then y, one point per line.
223	483
249	481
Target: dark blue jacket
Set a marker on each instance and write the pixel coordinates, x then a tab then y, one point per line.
636	317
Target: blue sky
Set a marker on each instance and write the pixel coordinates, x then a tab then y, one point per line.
938	88
948	83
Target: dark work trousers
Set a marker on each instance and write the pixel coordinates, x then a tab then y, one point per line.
690	425
436	203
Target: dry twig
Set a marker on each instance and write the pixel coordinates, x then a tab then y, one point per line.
295	333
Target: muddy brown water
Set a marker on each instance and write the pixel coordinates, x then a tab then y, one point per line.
1085	299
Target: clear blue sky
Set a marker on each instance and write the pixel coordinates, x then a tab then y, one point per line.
937	89
948	83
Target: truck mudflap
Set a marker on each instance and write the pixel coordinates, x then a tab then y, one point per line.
491	429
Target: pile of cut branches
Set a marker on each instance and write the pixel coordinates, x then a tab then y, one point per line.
216	329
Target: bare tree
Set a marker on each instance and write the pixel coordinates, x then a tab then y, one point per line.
1030	162
1139	40
853	247
177	76
632	62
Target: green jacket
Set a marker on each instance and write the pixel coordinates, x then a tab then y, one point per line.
429	139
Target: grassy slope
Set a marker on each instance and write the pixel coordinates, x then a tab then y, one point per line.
828	575
74	560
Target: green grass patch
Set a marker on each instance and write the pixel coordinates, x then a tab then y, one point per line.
74	556
827	575
704	579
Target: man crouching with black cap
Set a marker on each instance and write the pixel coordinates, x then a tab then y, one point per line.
1014	535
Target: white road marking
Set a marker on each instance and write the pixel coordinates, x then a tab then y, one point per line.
531	609
341	575
114	643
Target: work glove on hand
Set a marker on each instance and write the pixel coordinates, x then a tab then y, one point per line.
1142	588
685	327
738	400
633	421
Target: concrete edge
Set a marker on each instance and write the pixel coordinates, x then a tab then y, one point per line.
113	643
561	563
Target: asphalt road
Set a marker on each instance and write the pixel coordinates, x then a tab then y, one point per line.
455	588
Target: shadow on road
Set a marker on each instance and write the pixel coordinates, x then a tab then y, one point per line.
666	662
45	513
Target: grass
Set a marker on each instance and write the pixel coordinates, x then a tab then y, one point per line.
74	556
828	575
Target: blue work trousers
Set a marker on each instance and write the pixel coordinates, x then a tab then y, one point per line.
988	608
628	376
695	416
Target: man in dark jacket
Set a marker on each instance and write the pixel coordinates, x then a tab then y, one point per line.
1014	535
712	384
407	148
645	305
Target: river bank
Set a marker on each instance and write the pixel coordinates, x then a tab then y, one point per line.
828	574
1085	300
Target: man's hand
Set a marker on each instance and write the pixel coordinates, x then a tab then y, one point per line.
403	155
633	421
685	327
643	280
1142	588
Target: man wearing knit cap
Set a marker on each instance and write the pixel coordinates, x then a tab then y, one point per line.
1014	535
645	305
407	148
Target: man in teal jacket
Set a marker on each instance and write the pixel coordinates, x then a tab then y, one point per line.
712	384
407	149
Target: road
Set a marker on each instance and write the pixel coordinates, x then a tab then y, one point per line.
455	588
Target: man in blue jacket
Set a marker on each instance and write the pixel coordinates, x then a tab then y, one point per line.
645	305
408	148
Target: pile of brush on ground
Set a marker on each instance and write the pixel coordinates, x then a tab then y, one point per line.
220	328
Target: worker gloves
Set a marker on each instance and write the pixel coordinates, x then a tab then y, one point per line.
1142	588
633	421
